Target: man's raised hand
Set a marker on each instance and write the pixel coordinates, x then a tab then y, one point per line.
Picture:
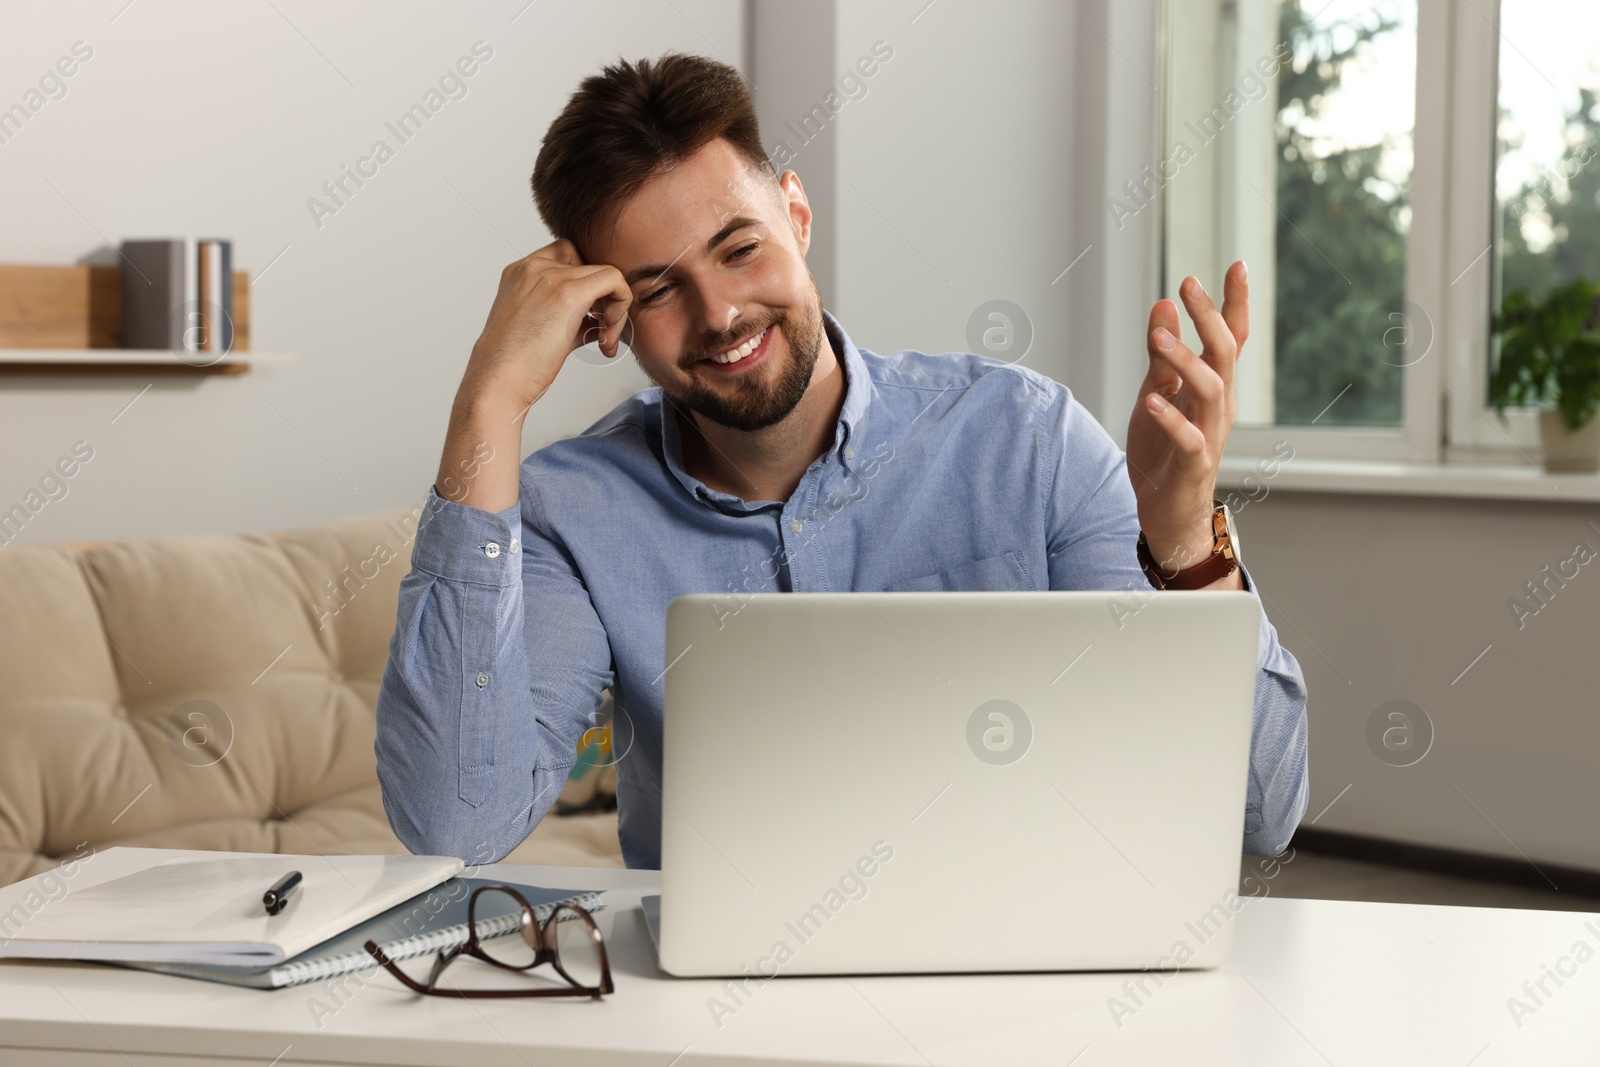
1182	417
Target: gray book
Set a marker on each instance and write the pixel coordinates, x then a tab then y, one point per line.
159	278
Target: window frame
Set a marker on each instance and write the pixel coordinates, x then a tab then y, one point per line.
1472	427
1451	260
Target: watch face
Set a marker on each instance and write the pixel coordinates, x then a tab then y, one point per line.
1233	531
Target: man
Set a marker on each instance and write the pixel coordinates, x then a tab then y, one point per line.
773	456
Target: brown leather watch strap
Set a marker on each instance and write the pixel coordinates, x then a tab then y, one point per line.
1214	567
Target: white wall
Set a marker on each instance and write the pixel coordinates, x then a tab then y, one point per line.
223	119
1387	598
955	174
793	67
976	170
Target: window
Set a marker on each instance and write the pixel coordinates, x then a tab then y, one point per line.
1404	163
1547	178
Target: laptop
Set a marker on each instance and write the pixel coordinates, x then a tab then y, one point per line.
913	782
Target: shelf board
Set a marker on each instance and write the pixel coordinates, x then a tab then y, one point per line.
50	360
80	306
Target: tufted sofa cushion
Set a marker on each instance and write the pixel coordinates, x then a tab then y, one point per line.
212	692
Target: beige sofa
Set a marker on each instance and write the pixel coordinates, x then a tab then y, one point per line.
211	692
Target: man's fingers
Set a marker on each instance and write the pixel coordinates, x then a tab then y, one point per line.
560	251
1236	303
1163	316
617	325
1164	313
1186	437
606	301
1197	375
598	328
1216	340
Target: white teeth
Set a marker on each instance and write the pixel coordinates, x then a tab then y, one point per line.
743	350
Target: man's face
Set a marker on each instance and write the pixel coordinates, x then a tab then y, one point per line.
714	257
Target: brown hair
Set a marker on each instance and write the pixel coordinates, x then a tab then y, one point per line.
630	121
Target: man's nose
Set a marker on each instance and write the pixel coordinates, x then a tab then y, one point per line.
721	319
718	316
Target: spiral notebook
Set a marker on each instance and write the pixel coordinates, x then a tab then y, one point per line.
190	906
429	923
200	913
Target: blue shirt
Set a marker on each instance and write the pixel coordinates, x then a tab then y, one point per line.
952	471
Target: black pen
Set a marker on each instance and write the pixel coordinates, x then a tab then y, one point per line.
277	897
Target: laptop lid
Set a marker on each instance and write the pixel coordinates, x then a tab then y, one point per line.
916	782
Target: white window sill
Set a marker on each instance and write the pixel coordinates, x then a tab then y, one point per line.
1477	478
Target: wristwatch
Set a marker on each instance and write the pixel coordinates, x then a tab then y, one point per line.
1223	561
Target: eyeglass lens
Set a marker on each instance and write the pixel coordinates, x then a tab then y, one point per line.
572	937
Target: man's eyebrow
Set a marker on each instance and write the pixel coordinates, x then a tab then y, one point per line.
738	222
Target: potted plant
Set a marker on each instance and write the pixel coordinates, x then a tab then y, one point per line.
1550	358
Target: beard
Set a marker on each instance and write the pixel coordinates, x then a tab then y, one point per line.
753	402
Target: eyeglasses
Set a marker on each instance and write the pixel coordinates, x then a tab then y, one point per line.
567	939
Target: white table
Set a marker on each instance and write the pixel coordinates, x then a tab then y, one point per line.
1309	982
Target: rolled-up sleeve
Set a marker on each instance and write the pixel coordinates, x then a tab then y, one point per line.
1093	523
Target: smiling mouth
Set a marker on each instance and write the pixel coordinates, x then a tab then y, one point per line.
738	352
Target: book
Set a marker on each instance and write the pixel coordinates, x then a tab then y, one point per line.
188	338
431	922
205	326
216	295
182	906
154	280
224	286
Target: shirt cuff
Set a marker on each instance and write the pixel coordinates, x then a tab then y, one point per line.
467	544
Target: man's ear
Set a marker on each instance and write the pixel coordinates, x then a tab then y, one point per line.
793	201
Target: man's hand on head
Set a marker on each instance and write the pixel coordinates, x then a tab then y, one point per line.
549	303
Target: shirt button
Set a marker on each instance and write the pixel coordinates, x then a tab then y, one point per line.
516	544
492	549
849	453
482	679
796	525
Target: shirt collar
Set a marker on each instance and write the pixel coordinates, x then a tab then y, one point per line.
857	395
847	433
